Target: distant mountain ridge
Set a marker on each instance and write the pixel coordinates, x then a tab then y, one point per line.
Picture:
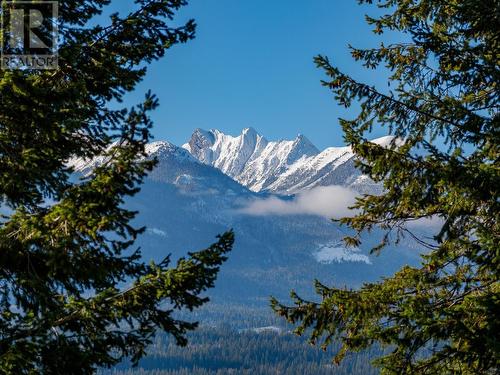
284	167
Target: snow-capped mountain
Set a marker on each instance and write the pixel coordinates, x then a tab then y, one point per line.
249	158
284	167
185	201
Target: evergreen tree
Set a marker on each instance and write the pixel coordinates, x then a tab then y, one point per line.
66	254
442	103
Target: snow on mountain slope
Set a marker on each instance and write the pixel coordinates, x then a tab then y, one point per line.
248	158
175	166
160	149
284	167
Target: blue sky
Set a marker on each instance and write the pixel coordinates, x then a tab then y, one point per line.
251	65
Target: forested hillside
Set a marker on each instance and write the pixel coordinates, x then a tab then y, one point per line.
223	350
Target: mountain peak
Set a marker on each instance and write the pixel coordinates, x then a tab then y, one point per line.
249	131
165	150
204	135
304	142
250	136
200	143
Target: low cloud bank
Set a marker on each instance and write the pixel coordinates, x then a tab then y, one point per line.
326	201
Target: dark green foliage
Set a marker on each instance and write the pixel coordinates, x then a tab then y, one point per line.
66	246
443	106
222	351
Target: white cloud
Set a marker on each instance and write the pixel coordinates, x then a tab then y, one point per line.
327	201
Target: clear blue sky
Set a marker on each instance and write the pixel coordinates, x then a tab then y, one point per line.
251	65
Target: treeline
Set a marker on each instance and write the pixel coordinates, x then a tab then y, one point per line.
223	350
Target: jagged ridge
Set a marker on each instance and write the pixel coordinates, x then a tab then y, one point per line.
285	166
